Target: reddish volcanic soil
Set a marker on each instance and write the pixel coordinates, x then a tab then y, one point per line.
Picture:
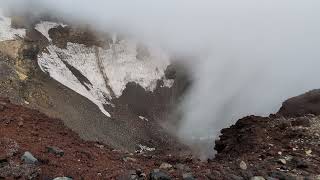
281	146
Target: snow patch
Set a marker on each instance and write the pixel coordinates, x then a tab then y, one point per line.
54	65
107	70
44	26
123	65
143	148
168	83
7	32
143	118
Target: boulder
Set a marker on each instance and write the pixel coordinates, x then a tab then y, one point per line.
28	158
55	150
156	174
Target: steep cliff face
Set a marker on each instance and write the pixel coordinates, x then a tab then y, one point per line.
106	88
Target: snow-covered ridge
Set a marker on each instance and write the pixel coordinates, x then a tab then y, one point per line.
7	32
44	26
106	71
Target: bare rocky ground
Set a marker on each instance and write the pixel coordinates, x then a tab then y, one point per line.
282	146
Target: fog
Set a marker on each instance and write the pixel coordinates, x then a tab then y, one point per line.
248	56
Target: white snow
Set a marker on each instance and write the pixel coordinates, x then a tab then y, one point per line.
168	83
51	63
44	26
7	32
108	70
144	149
122	66
143	118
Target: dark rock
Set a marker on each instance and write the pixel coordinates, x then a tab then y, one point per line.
139	172
283	125
3	162
214	174
281	176
2	108
170	72
299	163
55	150
28	158
308	103
301	121
30	51
246	174
156	174
234	177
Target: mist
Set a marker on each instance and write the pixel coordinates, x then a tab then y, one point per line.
247	56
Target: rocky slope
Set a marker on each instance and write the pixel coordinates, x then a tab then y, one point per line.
104	87
274	147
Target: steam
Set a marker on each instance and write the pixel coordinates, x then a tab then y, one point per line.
250	55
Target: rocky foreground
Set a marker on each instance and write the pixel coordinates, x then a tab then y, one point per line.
282	146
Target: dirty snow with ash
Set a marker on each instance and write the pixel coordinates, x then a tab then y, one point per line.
7	32
44	26
108	69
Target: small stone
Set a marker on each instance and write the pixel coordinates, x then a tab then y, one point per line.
282	161
187	176
288	158
62	178
165	166
182	167
156	174
126	159
234	177
308	152
55	150
2	108
28	158
243	165
257	178
20	124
